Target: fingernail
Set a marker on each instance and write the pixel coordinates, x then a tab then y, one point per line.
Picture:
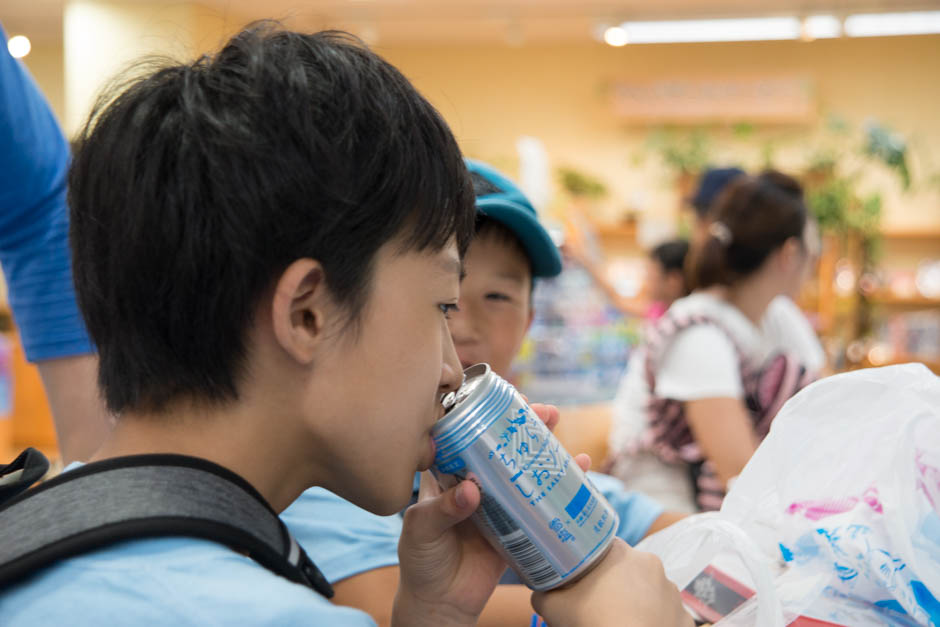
461	497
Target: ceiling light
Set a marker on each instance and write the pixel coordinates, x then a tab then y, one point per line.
884	24
738	29
19	46
616	36
821	27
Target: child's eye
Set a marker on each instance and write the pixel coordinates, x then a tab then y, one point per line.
448	308
497	296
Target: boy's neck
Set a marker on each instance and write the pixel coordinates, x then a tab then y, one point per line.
229	437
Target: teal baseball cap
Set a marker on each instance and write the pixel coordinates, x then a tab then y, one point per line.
501	200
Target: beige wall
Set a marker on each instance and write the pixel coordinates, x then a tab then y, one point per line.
99	39
102	39
493	94
46	62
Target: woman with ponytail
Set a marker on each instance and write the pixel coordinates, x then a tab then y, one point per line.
711	382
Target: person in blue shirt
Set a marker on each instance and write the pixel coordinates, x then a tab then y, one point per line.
510	250
34	254
267	244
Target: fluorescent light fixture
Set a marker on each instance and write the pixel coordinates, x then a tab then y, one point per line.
884	24
19	46
821	27
616	36
737	29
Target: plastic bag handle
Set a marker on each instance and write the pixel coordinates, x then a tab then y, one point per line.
688	546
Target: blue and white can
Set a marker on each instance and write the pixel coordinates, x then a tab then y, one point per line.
538	509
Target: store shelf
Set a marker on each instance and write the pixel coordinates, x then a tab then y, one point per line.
932	364
926	233
617	231
903	301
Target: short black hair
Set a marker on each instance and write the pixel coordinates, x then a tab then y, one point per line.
488	228
196	186
483	187
671	254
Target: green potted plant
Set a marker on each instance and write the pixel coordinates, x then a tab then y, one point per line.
581	185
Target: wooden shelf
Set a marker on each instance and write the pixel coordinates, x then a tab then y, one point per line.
616	231
903	301
932	364
925	233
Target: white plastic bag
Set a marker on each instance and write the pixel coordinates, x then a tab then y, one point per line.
839	508
690	545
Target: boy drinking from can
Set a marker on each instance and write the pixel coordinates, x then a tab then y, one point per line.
509	251
267	243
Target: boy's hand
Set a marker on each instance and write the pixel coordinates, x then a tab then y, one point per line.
448	569
628	587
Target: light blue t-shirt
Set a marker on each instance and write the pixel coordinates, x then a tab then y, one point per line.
346	540
167	581
342	539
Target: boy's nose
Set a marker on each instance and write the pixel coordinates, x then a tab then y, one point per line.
451	372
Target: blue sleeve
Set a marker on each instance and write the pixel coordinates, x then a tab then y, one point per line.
637	511
341	538
34	251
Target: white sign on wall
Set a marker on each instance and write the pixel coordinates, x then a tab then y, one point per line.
786	99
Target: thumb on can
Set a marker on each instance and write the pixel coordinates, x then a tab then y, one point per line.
432	515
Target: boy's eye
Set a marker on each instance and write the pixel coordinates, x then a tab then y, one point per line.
497	296
447	308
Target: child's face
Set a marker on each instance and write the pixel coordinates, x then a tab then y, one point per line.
662	286
377	387
495	311
653	285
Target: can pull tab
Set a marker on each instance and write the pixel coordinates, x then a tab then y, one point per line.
452	398
449	400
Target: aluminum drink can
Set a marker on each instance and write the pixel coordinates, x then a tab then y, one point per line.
538	509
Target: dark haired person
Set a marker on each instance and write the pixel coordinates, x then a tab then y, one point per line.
509	252
663	281
711	382
665	276
267	245
784	324
34	158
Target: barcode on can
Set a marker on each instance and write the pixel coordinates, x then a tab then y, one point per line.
530	560
526	555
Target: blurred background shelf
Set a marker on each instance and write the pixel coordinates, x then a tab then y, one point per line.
626	232
932	364
903	301
912	234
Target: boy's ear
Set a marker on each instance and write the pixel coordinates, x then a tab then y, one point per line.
528	322
300	309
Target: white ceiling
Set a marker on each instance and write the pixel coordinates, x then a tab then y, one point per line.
513	21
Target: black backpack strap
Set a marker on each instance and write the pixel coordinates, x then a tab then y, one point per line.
147	496
28	468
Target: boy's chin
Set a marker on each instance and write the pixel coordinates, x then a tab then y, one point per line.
390	502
